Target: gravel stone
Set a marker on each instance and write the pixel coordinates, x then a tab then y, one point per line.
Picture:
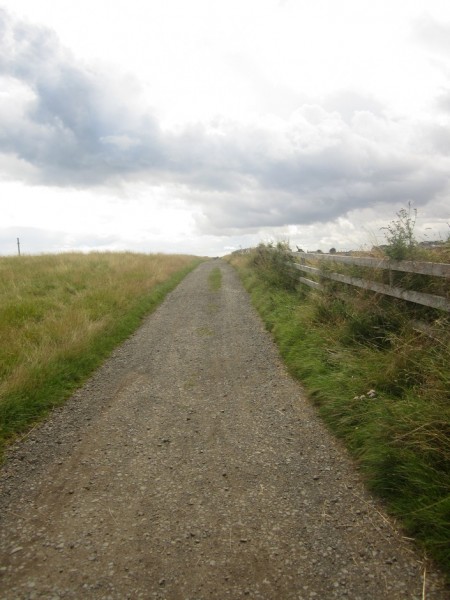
120	493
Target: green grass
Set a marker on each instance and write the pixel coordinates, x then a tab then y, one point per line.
61	316
215	279
341	347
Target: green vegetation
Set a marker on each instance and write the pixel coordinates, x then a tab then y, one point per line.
273	263
60	317
215	279
399	234
342	343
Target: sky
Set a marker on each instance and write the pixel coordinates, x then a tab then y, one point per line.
206	126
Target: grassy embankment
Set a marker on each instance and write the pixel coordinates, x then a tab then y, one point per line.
61	315
344	342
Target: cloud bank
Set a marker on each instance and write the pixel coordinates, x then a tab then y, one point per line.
69	125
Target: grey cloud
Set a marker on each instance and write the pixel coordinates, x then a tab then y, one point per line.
66	127
278	208
76	130
311	187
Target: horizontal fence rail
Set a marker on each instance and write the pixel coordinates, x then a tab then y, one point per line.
417	267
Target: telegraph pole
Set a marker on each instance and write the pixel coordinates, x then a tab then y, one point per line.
18	246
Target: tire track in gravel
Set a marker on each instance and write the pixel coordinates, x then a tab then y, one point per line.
190	466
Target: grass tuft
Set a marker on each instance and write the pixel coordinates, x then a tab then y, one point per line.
215	279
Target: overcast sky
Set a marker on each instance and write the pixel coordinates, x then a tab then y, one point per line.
209	125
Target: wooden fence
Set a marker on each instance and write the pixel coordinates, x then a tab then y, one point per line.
315	269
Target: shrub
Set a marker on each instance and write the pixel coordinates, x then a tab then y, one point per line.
274	265
399	234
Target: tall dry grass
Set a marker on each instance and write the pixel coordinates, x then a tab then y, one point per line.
60	315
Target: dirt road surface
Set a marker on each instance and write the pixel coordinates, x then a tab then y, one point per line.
190	466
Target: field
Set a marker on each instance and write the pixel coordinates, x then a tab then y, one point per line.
61	315
378	370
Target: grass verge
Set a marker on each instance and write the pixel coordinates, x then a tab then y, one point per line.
341	347
62	315
215	279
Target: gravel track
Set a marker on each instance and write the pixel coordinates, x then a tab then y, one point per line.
190	466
